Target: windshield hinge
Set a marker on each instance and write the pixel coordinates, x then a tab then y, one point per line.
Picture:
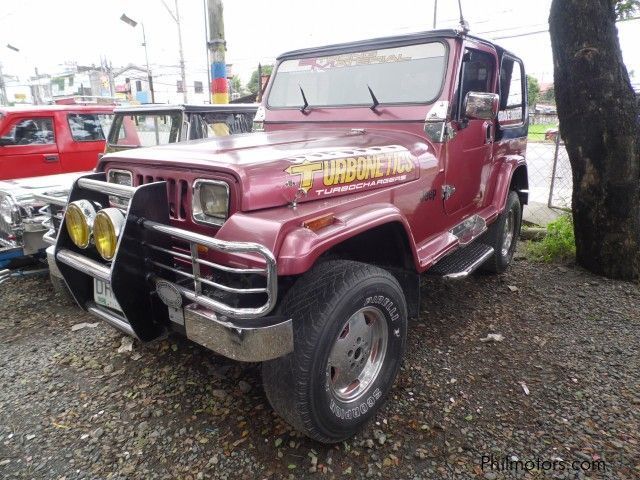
448	191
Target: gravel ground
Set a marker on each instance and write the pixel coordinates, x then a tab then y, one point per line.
563	386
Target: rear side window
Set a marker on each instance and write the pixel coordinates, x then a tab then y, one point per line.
512	92
89	127
222	124
146	129
32	131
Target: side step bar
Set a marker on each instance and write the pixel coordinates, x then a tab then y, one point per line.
461	263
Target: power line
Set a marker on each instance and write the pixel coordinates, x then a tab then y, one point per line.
547	30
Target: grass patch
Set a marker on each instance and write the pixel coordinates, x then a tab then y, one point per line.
538	130
559	244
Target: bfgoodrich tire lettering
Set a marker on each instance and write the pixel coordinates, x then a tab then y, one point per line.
299	386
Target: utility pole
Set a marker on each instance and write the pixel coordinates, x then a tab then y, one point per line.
35	88
131	22
217	46
206	42
435	12
108	70
146	57
259	93
3	89
176	18
110	73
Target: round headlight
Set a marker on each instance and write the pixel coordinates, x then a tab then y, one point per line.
6	210
79	218
106	230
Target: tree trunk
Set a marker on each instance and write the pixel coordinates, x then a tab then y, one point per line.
599	124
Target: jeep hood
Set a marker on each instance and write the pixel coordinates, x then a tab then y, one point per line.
276	168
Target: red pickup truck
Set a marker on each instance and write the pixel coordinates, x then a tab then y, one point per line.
302	246
50	139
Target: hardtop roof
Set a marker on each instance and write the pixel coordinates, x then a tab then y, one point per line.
190	108
386	42
57	108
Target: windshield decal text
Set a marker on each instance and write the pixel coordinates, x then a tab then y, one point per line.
352	59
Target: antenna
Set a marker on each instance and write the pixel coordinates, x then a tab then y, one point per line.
464	26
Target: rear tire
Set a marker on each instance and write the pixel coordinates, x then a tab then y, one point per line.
349	328
503	236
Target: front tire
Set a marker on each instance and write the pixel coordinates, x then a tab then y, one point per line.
503	235
349	327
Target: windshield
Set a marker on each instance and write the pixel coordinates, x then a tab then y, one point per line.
409	74
145	129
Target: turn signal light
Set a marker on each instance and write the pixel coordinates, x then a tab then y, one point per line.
106	231
317	223
79	217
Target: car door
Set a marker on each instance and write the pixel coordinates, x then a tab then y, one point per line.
82	139
469	152
28	147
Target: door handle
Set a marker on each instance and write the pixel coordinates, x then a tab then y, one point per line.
488	130
51	158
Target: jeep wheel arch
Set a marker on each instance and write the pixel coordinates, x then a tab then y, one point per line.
301	248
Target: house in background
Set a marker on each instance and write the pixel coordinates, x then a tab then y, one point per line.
129	84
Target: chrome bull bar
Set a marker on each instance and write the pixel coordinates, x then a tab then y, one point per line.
103	272
50	235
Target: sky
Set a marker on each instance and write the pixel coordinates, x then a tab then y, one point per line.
50	34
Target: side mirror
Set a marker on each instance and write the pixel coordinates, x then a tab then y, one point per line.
481	106
6	141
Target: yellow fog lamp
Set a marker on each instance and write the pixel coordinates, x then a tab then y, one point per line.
79	217
107	228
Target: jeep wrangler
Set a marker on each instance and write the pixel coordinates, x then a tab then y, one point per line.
301	246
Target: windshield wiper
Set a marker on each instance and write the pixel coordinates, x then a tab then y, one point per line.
375	100
305	107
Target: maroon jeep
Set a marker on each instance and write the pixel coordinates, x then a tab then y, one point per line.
301	246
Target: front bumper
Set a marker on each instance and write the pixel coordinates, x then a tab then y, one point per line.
146	265
26	232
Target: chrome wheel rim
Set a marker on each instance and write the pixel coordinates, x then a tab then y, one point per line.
357	354
507	236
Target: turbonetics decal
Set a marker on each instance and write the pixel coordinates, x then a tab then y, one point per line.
322	174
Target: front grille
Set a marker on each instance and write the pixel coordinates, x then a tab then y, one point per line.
177	194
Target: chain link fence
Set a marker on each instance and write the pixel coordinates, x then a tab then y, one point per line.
550	181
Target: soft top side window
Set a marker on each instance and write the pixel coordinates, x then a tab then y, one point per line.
512	92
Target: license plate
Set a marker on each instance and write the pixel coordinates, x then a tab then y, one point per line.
103	295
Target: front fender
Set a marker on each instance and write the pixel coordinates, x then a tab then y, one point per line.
514	169
301	247
297	248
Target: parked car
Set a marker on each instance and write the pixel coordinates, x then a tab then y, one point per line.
22	214
302	246
29	208
51	139
152	125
